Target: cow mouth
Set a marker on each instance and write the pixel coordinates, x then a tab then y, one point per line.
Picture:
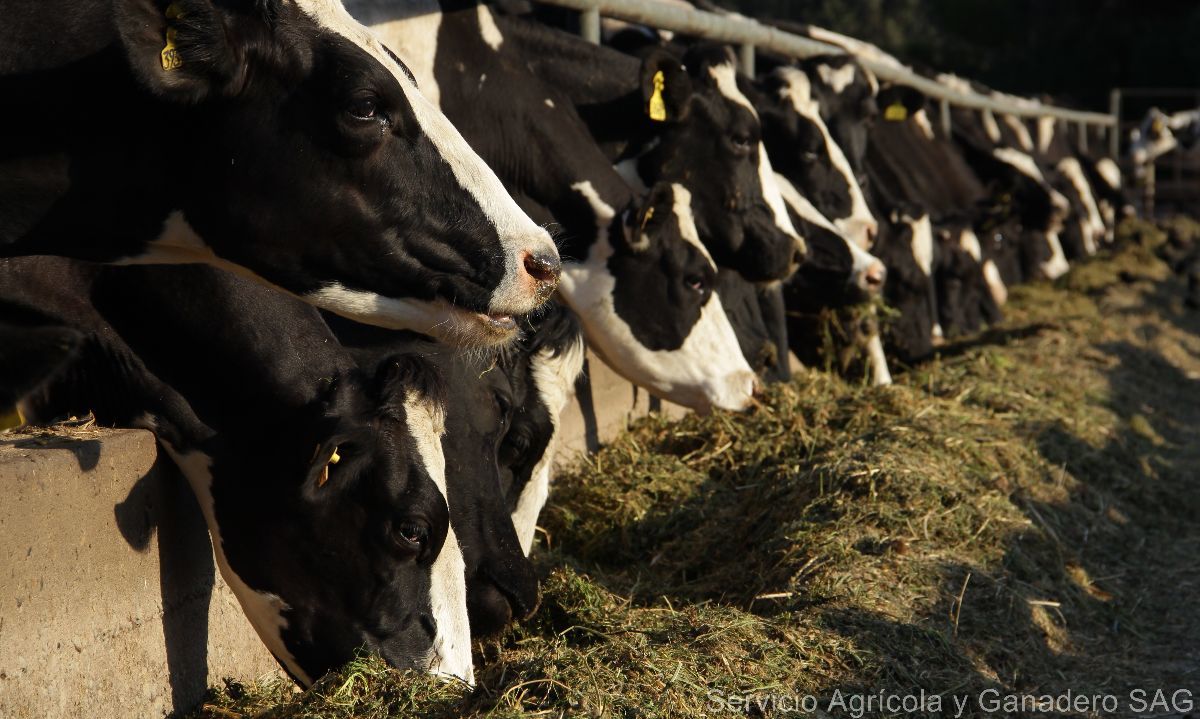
498	323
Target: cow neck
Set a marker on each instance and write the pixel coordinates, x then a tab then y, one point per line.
96	157
602	83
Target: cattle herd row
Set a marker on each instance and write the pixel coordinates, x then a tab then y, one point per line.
365	480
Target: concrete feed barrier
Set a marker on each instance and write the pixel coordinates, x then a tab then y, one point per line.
111	603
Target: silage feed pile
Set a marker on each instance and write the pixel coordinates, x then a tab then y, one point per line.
1018	516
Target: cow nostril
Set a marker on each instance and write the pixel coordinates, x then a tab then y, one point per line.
429	624
543	268
876	275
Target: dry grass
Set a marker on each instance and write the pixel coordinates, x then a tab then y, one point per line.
1019	514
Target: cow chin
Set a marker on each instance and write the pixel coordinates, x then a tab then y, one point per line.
439	319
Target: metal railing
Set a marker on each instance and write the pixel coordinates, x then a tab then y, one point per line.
748	35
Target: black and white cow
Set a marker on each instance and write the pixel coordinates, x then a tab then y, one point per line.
1160	133
323	484
639	281
501	413
278	139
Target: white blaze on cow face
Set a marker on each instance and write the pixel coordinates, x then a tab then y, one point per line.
1110	172
519	235
969	242
837	79
860	225
554	378
921	120
867	271
1024	139
1024	164
707	371
725	76
1045	130
922	250
450	655
487	25
990	126
1092	224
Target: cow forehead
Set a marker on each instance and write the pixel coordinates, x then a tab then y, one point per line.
725	77
797	89
838	79
682	209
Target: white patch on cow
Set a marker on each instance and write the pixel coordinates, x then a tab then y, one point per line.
860	224
1109	171
1024	139
837	79
1057	265
554	379
1092	224
707	370
921	119
450	655
990	127
725	76
995	283
880	374
922	243
263	609
682	208
1045	129
861	261
518	234
487	26
549	103
1021	161
969	242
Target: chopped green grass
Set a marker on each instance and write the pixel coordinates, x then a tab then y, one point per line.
1019	514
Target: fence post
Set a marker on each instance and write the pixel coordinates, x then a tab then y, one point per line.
589	25
746	55
944	106
1083	138
1114	132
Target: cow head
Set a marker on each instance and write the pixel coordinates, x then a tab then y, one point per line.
549	360
712	145
1152	139
302	153
805	152
906	247
845	92
644	295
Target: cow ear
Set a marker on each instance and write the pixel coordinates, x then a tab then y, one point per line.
666	87
185	50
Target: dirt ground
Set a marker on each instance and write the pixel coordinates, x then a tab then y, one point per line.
1016	518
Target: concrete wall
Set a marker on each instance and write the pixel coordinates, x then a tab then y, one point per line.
110	604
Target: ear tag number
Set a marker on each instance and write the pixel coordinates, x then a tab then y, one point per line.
170	54
896	112
658	107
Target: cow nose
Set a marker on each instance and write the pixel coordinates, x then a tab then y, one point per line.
490	609
544	269
875	276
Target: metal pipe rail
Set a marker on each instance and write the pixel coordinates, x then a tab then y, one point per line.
748	33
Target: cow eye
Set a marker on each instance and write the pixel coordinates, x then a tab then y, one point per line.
695	283
503	404
810	157
741	142
363	108
412	535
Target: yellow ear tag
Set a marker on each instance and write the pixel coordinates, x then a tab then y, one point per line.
658	108
335	457
896	112
170	54
12	419
646	217
1157	126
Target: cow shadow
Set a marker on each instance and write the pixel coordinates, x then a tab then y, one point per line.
85	451
162	503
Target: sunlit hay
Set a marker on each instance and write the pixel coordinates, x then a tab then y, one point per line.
1018	514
